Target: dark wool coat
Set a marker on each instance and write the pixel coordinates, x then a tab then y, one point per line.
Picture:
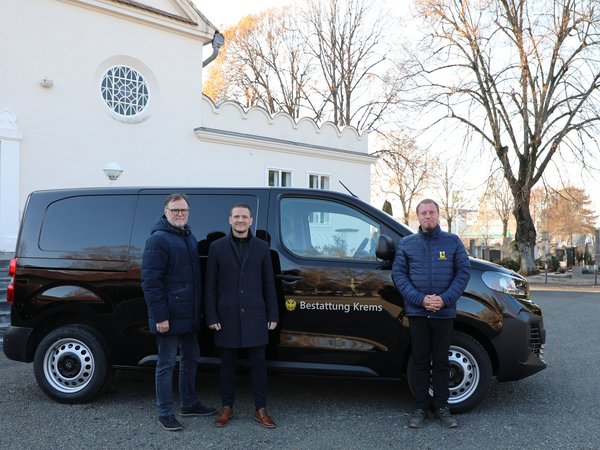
433	262
240	295
171	278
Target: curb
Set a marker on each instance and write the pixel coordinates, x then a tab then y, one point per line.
562	286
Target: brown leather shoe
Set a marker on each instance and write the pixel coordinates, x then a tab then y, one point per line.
225	414
263	418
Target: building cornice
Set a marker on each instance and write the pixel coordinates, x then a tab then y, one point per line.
246	140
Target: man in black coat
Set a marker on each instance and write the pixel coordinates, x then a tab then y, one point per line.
241	306
172	290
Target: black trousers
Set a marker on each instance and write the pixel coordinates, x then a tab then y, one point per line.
430	339
258	375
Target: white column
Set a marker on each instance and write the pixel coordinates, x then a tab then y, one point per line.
10	142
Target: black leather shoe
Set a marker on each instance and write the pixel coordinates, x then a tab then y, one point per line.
417	418
197	410
447	419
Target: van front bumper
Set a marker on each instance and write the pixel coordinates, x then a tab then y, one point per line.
520	347
16	342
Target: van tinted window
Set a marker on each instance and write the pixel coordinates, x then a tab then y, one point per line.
208	218
320	228
89	226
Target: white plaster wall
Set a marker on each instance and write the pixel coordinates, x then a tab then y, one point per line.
68	132
257	142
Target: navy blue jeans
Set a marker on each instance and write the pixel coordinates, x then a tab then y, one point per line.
430	340
258	375
188	347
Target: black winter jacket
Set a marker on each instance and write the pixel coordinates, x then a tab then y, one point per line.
240	295
171	278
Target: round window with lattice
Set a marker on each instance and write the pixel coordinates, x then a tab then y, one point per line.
125	91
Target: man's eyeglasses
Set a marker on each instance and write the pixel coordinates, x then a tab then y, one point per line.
178	211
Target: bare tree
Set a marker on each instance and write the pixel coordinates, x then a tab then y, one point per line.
523	76
350	40
486	218
403	169
568	212
499	195
451	194
262	63
332	60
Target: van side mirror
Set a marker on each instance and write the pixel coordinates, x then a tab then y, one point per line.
385	248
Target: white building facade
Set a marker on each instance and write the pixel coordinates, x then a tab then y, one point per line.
85	83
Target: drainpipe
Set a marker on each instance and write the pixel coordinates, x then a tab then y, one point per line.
217	42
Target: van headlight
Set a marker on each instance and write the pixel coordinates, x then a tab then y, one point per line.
514	285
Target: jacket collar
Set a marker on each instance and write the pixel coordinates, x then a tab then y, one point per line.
231	236
430	234
164	225
233	244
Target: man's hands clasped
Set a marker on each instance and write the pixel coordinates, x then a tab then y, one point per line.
433	303
217	326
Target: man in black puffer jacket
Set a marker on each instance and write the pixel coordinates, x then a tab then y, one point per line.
172	290
431	270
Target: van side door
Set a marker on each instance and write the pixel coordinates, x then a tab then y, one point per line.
339	304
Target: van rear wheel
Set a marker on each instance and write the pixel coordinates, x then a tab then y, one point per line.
470	373
71	364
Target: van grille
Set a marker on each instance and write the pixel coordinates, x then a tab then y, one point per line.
535	338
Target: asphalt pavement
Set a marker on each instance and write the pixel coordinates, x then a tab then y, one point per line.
557	408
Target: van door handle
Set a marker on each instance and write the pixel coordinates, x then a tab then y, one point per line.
289	279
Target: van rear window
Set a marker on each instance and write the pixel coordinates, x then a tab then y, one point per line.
89	226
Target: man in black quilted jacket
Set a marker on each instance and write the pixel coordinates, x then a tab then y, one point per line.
173	294
431	270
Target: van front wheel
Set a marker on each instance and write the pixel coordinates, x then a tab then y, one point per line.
71	364
470	373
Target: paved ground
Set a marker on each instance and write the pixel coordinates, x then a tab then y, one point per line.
556	408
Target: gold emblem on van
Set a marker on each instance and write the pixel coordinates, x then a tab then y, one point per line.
290	304
442	255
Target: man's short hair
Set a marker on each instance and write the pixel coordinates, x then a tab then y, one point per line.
175	197
240	205
428	200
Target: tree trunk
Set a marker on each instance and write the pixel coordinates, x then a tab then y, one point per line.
525	236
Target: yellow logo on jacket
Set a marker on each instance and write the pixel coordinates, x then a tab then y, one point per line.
442	255
290	304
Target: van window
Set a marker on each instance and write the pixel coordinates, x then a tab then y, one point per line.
320	228
88	226
208	219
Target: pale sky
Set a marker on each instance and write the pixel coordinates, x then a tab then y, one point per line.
229	12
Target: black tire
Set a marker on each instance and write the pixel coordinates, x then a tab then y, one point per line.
71	364
470	373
